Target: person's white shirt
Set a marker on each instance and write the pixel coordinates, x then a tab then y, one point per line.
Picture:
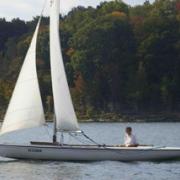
130	140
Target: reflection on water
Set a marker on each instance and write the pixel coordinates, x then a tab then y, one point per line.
109	133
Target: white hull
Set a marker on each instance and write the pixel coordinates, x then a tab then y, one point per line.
88	153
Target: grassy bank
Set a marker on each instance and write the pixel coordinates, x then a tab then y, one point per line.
120	117
141	117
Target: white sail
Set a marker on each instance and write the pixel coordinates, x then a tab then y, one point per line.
66	119
25	109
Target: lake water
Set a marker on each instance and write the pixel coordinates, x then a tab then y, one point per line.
160	134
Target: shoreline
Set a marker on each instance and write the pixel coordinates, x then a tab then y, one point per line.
129	119
106	121
123	118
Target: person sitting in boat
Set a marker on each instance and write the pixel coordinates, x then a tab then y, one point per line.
130	139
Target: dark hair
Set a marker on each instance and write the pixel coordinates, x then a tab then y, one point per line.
129	128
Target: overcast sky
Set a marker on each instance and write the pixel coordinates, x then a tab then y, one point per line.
27	9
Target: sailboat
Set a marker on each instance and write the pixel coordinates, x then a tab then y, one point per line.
25	111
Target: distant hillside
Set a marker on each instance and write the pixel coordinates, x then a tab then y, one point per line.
121	61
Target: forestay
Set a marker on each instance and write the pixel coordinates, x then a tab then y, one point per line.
25	109
64	111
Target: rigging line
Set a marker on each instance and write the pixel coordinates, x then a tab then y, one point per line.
47	130
62	139
70	134
45	2
78	138
84	142
101	145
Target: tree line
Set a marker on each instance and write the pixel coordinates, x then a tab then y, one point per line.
118	59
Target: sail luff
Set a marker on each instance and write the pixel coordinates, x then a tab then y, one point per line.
25	109
66	119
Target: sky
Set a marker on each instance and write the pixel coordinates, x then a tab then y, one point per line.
27	9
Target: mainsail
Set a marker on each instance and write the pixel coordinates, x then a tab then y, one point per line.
66	119
25	109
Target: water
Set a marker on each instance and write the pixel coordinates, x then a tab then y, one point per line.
159	134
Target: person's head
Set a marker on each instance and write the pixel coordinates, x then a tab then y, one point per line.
129	130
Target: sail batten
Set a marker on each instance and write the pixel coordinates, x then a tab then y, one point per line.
25	109
66	119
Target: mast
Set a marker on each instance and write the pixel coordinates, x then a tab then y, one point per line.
55	130
54	138
65	119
